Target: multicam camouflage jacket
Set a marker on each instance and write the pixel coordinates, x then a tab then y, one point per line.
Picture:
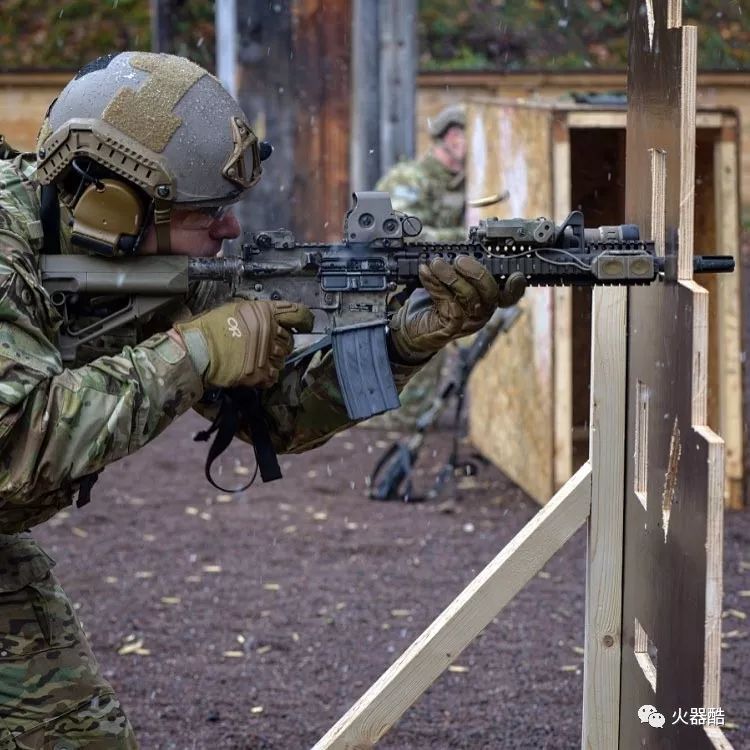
59	426
429	190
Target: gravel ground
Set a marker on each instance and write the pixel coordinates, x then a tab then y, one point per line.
253	621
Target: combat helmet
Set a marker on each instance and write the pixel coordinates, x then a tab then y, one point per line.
138	134
453	116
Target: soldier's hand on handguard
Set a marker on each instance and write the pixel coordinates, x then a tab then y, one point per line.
460	298
243	342
513	290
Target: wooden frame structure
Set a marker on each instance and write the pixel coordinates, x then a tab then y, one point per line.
651	491
551	156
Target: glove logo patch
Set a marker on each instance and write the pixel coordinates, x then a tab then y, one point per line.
234	328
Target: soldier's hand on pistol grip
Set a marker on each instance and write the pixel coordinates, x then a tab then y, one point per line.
243	342
512	291
462	297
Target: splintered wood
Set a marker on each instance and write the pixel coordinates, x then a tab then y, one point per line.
675	464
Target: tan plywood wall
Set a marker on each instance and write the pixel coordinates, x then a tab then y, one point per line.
511	392
715	91
24	99
583	168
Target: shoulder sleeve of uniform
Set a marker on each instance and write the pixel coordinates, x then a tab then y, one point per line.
19	204
306	407
406	185
58	425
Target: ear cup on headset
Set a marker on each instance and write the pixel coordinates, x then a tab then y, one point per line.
108	218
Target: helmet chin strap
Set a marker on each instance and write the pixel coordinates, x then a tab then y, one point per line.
162	224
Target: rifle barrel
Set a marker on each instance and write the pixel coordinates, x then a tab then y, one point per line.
713	264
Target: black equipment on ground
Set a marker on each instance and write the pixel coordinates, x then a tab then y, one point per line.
392	477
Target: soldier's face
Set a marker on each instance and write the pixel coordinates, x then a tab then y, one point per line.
454	141
195	233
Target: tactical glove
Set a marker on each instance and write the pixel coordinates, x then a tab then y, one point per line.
460	299
243	342
513	290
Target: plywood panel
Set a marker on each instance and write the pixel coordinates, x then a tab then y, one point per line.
511	391
674	476
729	314
719	90
22	109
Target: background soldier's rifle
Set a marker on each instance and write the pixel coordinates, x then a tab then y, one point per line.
392	477
347	285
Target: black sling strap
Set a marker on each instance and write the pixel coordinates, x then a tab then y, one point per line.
49	214
238	408
84	489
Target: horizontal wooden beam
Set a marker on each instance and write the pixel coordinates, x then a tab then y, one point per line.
572	79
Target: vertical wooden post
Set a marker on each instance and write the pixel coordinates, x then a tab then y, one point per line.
321	45
398	64
602	637
264	79
226	44
161	25
728	288
294	87
365	119
562	341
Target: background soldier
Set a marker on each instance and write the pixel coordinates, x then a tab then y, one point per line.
432	188
140	154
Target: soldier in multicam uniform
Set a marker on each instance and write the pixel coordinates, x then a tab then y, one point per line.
141	153
431	188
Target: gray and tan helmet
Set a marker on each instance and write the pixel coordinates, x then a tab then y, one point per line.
453	116
160	123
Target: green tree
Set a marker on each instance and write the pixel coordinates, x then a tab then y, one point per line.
453	34
35	34
564	34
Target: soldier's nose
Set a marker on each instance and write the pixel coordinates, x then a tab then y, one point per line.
226	228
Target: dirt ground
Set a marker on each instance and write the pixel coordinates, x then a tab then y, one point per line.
253	621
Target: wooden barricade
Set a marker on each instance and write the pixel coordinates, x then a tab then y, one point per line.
534	384
651	489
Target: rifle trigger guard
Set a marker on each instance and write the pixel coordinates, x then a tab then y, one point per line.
364	370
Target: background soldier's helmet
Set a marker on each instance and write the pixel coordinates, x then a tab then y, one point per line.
157	122
454	115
